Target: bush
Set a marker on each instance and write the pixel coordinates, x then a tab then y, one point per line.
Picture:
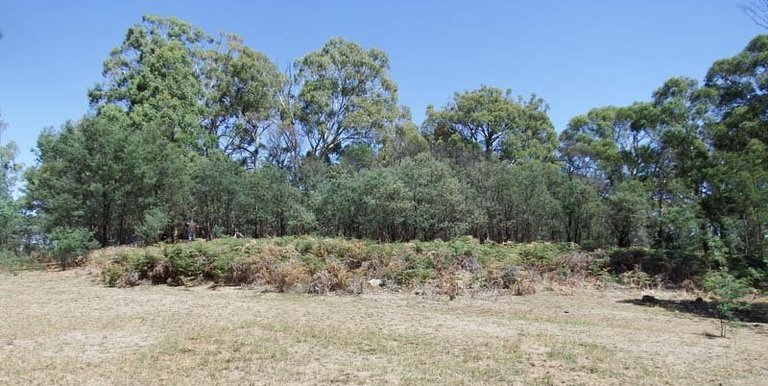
144	262
69	243
293	276
635	278
728	290
117	276
323	265
190	260
526	284
112	274
152	227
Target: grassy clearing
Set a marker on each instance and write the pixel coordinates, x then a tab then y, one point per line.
62	328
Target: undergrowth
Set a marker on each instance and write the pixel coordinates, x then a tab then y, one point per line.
322	265
14	262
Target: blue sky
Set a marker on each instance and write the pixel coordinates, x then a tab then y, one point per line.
575	54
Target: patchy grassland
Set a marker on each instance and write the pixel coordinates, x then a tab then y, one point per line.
64	328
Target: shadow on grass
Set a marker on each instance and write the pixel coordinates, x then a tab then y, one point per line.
756	313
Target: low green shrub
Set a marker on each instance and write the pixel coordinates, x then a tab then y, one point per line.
728	290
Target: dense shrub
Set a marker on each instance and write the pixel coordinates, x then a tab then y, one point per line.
323	265
69	243
672	266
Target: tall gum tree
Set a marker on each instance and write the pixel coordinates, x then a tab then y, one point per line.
514	129
245	102
739	173
345	96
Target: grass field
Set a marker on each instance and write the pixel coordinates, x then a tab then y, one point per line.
63	328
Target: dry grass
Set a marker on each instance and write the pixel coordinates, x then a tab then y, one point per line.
62	328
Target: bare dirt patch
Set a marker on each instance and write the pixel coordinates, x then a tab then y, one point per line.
63	328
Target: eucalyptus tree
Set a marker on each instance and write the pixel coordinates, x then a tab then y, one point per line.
244	101
739	175
514	129
626	148
679	175
283	146
684	111
345	96
741	96
9	168
203	92
614	143
404	142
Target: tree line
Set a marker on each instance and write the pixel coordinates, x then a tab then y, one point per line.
193	135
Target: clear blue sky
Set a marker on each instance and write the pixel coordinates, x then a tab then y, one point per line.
575	54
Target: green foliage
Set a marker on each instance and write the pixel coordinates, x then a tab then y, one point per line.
10	211
728	290
10	217
153	74
516	130
440	207
357	157
518	201
69	243
112	275
583	212
404	141
185	261
269	206
346	96
143	261
370	204
628	212
98	174
245	105
9	169
153	226
215	192
418	199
